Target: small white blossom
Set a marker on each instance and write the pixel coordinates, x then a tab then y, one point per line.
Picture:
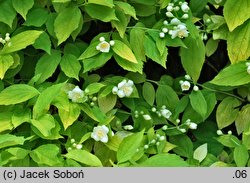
208	20
76	95
69	149
165	30
187	77
204	36
170	8
175	21
183	130
92	104
162	138
165	127
157	143
128	127
229	132
166	113
94	99
185	86
163	107
74	144
153	141
158	135
193	126
219	132
248	64
112	43
153	109
147	117
176	8
146	146
165	22
79	146
184	7
185	16
162	34
101	39
196	88
248	69
169	14
180	31
72	141
177	121
124	88
141	112
100	133
103	47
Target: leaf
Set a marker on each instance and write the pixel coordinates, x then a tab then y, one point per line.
70	66
137	37
46	60
36	17
84	157
94	88
22	7
96	61
121	23
242	121
211	46
7	12
107	103
129	66
43	43
241	156
6	61
229	140
165	95
122	50
70	116
227	112
21	41
239	38
94	112
193	57
45	98
17	93
100	12
236	12
184	145
12	154
127	8
233	75
90	51
5	121
7	140
198	103
201	152
108	3
153	53
128	146
66	22
148	93
164	160
47	155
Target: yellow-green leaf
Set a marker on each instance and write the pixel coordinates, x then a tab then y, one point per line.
6	61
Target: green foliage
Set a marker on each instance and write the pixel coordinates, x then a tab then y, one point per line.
124	83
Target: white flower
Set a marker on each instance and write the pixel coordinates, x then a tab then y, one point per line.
128	127
169	14
166	113
162	138
185	86
147	117
79	146
193	126
124	88
112	43
76	95
165	30
184	7
196	88
165	22
177	121
146	146
170	8
177	8
72	141
101	39
175	21
248	69
162	34
229	132
100	133
103	47
180	31
219	132
182	130
185	16
187	77
153	109
165	127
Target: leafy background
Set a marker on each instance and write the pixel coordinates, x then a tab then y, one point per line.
52	49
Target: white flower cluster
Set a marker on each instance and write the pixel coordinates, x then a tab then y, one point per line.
219	132
176	12
124	88
128	127
163	112
104	46
185	85
6	40
248	67
100	133
74	145
156	141
191	125
146	117
77	95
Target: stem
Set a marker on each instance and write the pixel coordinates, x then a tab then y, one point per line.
143	28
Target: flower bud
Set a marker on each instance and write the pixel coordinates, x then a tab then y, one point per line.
112	43
101	39
219	132
146	146
162	35
195	88
169	14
